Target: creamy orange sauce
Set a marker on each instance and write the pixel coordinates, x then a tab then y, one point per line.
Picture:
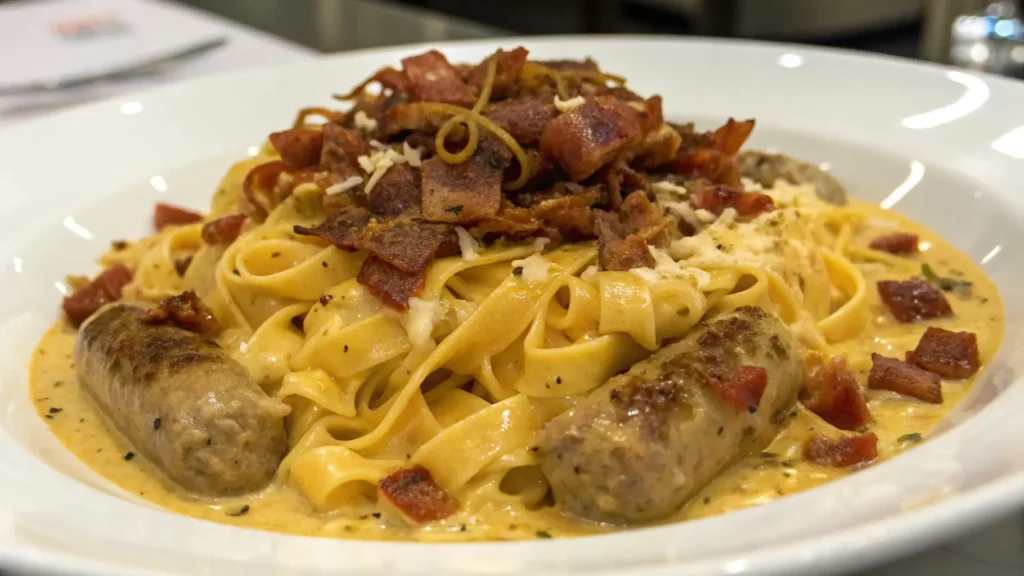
779	470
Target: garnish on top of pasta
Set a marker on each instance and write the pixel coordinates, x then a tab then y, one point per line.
509	299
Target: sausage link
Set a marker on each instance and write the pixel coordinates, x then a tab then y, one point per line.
637	448
182	402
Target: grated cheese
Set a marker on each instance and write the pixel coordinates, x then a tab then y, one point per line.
684	211
666	186
377	164
340	187
570	104
705	216
419	321
412	155
728	216
535	268
467	244
590	274
364	122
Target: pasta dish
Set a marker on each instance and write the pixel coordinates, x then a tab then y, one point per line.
508	300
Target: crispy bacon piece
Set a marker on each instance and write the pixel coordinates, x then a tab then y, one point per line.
951	355
407	243
415	493
652	116
643	219
617	250
410	117
341	150
730	137
587	65
510	221
91	297
523	118
387	77
260	189
586	138
833	394
714	198
433	79
397	192
900	243
659	147
904	378
510	65
169	215
913	300
753	203
842	453
389	284
743	388
469	191
223	230
299	147
712	155
187	311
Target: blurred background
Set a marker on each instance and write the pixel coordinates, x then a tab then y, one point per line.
982	34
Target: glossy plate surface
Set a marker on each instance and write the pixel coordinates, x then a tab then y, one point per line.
945	147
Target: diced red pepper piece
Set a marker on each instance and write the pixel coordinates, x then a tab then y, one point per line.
169	215
742	390
415	493
103	289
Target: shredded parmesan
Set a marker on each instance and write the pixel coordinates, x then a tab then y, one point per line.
540	243
574	187
467	244
534	268
665	186
364	122
590	274
385	157
705	216
728	216
365	163
412	155
684	211
340	187
419	321
570	104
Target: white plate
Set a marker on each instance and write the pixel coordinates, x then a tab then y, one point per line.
947	144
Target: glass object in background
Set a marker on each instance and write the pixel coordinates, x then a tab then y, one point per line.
976	34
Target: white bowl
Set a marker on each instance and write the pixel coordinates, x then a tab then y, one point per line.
949	143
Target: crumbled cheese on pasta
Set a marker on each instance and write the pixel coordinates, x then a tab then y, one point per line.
412	155
705	216
540	242
669	187
574	187
684	211
728	215
419	321
535	268
590	274
364	122
666	268
340	187
570	104
365	163
467	244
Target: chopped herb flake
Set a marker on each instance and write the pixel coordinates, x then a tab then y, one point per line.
947	284
241	511
543	534
454	209
56	410
912	437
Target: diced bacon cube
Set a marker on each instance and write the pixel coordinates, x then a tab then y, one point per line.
901	243
913	300
169	215
952	355
842	453
416	495
904	378
299	147
833	394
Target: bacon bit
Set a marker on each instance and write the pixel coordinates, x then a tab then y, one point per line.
913	300
643	219
223	230
397	192
510	221
509	66
952	355
571	214
901	243
407	243
467	192
387	77
390	285
91	297
753	203
730	137
325	113
415	493
842	453
186	311
341	149
587	65
742	390
833	394
165	215
299	147
259	188
652	117
433	79
617	250
903	378
586	138
523	118
659	147
714	198
410	117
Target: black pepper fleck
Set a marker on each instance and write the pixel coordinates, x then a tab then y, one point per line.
324	263
375	514
156	424
129	455
707	500
518	270
345	349
325	299
48	416
56	410
275	254
558	380
241	511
